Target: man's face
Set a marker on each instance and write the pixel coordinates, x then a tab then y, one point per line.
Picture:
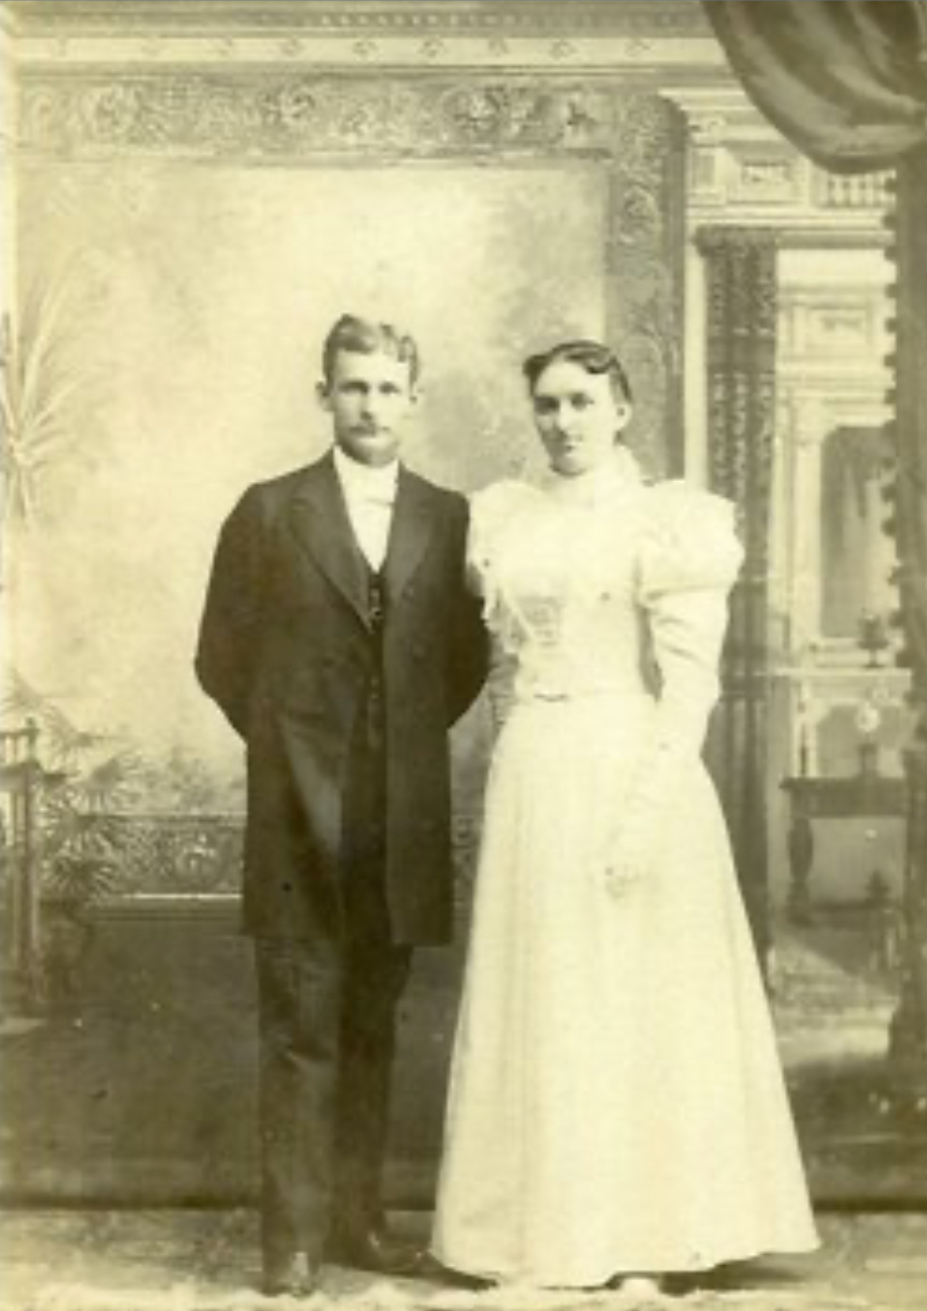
368	397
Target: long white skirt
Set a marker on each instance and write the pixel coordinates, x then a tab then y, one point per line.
616	1100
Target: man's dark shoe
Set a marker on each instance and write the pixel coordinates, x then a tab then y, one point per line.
296	1277
374	1249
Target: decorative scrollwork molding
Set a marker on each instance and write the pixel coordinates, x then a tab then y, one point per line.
197	112
102	17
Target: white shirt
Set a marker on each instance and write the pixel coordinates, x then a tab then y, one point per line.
369	493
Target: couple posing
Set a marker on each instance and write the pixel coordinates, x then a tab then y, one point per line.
616	1105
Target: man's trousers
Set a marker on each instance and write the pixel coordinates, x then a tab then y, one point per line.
327	1035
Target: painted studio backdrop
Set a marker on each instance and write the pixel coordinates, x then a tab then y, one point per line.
195	197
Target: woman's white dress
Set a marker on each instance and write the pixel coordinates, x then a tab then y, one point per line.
616	1099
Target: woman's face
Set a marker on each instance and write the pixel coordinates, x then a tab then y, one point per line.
577	416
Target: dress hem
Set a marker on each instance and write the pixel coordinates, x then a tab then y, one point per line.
626	1270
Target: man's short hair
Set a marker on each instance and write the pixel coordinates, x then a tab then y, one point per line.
364	337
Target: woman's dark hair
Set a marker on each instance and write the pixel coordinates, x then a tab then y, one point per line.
364	337
589	355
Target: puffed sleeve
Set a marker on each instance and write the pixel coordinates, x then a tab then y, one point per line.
491	510
689	559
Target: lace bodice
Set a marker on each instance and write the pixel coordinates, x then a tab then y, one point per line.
604	584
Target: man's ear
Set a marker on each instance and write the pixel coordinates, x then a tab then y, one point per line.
323	395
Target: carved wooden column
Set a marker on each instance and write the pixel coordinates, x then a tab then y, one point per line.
740	362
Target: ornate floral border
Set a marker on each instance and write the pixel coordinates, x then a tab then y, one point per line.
279	114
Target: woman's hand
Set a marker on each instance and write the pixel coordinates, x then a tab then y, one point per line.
635	846
632	853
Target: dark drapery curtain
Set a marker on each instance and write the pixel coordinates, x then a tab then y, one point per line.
909	1028
741	294
846	82
840	78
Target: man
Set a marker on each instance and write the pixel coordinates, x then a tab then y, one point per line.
340	641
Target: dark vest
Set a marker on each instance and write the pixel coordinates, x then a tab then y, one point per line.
365	785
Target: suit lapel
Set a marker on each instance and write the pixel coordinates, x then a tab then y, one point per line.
410	533
320	523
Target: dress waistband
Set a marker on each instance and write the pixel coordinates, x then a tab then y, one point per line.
532	695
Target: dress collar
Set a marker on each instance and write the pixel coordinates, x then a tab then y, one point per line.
587	490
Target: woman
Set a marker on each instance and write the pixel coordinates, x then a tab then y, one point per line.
617	1107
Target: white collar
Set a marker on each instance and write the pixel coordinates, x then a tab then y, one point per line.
367	477
598	485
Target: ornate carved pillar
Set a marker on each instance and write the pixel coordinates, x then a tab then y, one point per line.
740	365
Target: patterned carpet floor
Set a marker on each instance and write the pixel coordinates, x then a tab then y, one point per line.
207	1261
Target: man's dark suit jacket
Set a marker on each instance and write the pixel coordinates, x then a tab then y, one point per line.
287	649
